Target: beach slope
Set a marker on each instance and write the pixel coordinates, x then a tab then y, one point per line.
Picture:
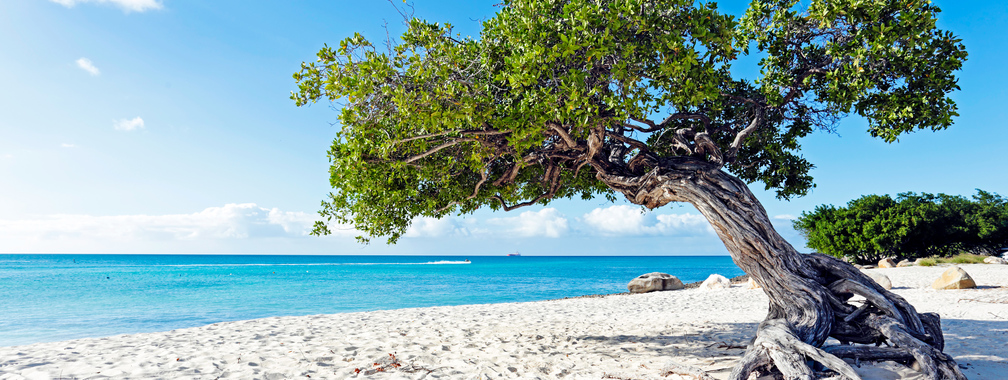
616	336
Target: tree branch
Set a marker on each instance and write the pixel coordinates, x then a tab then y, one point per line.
436	149
676	116
484	175
744	133
563	134
519	205
512	172
632	142
706	145
468	132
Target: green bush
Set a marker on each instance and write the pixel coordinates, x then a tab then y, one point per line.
911	226
966	258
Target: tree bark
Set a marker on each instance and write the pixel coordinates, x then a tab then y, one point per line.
809	293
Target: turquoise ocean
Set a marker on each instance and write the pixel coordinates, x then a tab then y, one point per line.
46	298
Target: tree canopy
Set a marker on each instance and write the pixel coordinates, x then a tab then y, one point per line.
556	97
565	98
911	226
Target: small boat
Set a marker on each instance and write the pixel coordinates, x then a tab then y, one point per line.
514	254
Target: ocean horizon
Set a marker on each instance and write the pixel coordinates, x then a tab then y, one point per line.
55	297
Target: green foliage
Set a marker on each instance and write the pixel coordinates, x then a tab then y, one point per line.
554	92
911	226
966	258
962	258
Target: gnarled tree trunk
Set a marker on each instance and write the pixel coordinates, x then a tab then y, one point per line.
810	294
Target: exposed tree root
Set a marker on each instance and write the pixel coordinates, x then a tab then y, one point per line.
882	318
812	297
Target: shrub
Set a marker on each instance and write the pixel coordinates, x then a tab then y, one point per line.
966	258
911	226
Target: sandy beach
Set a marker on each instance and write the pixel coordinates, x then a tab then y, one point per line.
616	336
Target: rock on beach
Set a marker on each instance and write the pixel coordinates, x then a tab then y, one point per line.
995	260
654	281
715	281
879	278
954	278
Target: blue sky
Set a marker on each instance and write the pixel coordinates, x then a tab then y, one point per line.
164	126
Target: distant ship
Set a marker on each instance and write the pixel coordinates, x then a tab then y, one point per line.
514	254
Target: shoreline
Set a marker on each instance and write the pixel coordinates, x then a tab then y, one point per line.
633	336
53	299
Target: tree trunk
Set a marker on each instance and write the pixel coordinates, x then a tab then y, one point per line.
808	293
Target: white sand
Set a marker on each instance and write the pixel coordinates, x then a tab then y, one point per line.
620	336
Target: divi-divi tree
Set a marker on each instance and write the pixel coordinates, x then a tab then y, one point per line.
638	98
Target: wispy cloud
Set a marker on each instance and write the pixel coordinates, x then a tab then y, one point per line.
232	221
65	145
431	227
622	220
618	221
547	222
250	228
125	5
86	65
128	124
785	217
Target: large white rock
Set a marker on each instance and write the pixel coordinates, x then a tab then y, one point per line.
715	281
954	278
905	263
655	281
886	263
751	284
879	278
995	260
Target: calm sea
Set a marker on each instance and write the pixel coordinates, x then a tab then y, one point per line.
47	298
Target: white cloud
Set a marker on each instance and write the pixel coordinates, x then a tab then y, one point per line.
128	124
547	222
616	220
785	217
66	145
623	220
433	227
126	5
86	65
232	221
683	224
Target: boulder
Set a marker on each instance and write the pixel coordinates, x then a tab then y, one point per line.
886	263
995	260
653	282
715	281
905	263
954	278
879	278
751	284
